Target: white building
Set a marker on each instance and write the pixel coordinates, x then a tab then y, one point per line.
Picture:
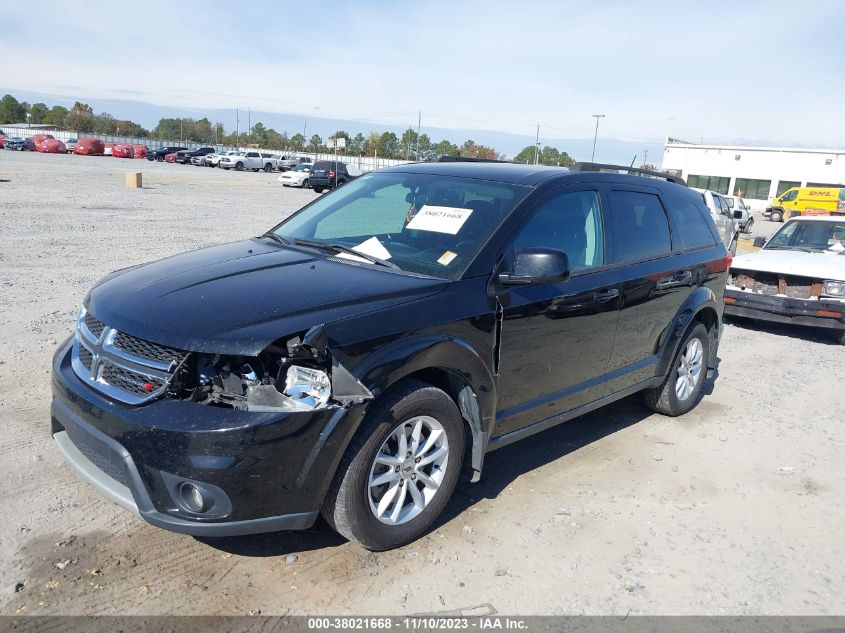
757	174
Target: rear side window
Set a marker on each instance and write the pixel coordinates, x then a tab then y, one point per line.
640	226
692	225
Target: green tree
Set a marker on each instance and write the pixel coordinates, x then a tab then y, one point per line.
445	148
315	143
425	148
37	112
371	144
526	155
57	115
388	145
11	110
356	144
81	117
297	142
259	134
408	144
471	149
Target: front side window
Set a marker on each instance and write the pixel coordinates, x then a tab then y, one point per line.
752	189
570	222
790	196
423	223
640	226
786	185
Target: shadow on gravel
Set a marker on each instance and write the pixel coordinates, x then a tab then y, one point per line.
819	335
320	536
501	467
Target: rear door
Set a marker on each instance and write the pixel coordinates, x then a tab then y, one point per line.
656	278
556	338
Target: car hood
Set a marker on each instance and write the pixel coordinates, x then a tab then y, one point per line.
817	265
238	298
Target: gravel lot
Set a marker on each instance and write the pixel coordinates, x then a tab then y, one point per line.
736	508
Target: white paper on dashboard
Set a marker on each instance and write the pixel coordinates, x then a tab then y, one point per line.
439	219
373	248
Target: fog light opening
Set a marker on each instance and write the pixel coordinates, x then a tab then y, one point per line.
193	498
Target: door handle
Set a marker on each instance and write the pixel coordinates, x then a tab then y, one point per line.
608	294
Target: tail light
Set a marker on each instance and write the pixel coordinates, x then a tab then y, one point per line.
728	261
331	174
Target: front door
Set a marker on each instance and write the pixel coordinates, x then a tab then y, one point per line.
556	338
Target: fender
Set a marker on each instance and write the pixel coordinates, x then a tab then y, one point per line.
473	380
701	298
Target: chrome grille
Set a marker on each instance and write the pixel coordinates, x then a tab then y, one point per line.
119	365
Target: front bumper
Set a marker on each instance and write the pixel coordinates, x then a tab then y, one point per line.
785	309
271	469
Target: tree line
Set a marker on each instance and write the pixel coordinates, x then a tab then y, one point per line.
409	145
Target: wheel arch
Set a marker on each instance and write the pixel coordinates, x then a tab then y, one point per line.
700	307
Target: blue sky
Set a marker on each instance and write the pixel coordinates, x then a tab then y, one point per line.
761	72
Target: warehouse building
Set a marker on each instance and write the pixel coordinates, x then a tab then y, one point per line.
757	174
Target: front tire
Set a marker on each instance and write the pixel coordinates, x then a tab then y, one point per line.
776	216
681	390
840	337
268	168
318	190
239	166
304	184
399	470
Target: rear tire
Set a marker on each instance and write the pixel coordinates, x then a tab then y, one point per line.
840	337
239	166
318	190
268	168
681	390
399	510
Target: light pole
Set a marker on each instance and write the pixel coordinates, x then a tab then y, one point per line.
595	137
537	146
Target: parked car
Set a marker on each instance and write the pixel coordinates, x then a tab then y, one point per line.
2	139
170	158
797	277
161	152
296	177
51	146
90	147
289	161
140	151
328	174
745	218
212	160
723	216
247	160
19	144
806	201
356	357
123	150
37	139
70	144
184	156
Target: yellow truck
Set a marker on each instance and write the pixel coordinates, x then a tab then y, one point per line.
806	201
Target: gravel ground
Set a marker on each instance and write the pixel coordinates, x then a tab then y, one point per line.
736	508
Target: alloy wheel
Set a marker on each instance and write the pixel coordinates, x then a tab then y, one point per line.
690	365
408	470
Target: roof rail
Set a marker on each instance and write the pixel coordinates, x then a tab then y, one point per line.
467	159
631	170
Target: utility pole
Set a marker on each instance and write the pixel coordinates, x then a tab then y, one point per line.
645	157
419	124
537	146
249	120
237	129
595	137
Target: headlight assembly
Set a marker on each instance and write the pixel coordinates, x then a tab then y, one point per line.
308	386
834	288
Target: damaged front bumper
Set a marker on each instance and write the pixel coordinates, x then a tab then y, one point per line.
197	469
779	309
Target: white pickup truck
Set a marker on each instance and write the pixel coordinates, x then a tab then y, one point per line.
249	160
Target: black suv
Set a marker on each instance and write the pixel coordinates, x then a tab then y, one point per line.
161	152
328	174
357	357
184	156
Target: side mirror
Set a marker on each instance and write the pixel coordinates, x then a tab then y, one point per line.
737	215
537	266
759	242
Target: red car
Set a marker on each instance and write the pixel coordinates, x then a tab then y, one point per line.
170	158
140	151
123	150
51	146
40	138
2	140
90	147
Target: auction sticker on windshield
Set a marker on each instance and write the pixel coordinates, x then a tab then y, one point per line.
439	219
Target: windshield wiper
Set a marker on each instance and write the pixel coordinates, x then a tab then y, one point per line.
276	238
340	248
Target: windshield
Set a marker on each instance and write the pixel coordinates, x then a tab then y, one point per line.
812	235
421	223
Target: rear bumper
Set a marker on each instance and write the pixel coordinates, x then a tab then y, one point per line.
263	472
785	309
